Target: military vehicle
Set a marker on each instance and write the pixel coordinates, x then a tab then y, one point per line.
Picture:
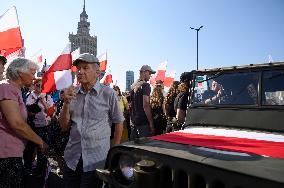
233	136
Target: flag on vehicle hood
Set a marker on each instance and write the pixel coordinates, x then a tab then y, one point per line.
58	76
10	34
250	142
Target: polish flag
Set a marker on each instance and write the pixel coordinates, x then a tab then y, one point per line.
169	79
228	141
10	34
161	71
75	54
75	82
37	57
152	79
11	56
103	61
107	78
58	76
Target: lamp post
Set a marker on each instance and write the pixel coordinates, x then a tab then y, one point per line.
197	43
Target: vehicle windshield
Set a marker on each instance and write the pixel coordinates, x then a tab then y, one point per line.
273	87
239	88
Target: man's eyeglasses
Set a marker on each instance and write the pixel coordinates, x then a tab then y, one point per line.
38	85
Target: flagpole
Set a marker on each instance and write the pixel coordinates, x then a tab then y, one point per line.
106	59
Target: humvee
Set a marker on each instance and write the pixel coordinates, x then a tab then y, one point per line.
237	141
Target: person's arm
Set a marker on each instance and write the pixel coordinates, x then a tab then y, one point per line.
117	118
180	115
182	107
147	110
214	99
64	117
42	100
117	133
11	111
164	107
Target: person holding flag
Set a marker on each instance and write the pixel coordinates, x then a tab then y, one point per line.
88	110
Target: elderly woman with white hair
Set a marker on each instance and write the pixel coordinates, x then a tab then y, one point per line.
14	130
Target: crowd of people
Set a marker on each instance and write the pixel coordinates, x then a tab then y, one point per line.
77	128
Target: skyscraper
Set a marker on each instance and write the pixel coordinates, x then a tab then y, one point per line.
87	43
129	80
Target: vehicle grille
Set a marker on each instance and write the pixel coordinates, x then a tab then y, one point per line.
182	173
186	174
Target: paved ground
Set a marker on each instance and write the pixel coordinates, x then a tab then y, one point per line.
53	180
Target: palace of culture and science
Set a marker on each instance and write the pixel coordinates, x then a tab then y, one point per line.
88	43
83	39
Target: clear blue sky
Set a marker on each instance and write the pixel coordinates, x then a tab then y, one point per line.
137	32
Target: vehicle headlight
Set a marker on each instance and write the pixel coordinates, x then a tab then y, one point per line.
126	165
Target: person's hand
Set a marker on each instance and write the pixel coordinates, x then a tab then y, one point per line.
41	98
219	93
69	94
43	147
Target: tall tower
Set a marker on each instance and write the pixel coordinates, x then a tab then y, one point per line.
87	43
129	80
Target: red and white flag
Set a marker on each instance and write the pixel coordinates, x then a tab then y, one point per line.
10	34
58	76
18	53
103	61
37	57
161	71
169	79
75	54
265	144
107	78
153	79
